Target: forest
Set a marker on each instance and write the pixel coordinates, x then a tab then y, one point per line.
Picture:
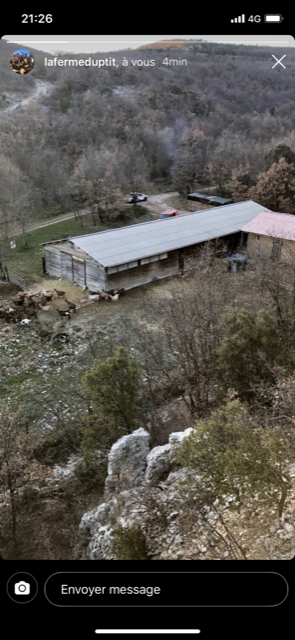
97	134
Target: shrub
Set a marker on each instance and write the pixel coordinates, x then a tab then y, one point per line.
234	460
129	544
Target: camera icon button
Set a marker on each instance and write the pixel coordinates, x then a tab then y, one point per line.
22	587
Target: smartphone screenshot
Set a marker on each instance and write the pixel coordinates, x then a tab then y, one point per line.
147	323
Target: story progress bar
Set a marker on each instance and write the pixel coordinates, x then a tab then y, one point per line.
147	631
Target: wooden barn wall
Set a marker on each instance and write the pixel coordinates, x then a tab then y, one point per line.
142	274
95	276
63	265
78	270
66	266
52	261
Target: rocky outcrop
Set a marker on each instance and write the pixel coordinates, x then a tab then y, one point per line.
145	489
92	526
127	462
132	494
158	464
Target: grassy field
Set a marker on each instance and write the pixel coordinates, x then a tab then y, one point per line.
28	262
51	211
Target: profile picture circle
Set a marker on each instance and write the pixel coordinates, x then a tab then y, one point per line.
22	61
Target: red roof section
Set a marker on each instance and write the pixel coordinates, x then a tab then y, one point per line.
275	225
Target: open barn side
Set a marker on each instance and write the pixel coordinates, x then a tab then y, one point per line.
140	274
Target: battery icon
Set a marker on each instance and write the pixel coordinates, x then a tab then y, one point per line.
273	17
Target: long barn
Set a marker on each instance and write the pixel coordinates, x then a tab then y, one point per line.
131	256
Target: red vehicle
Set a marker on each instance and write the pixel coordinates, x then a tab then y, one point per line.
169	213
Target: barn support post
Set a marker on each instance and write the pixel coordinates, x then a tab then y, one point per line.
181	260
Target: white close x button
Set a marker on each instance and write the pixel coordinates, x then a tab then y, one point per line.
279	61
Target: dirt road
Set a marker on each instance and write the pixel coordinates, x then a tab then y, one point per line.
42	89
158	203
47	223
155	205
171	200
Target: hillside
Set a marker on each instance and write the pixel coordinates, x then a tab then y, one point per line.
193	125
169	44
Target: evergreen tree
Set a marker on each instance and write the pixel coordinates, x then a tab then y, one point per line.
234	460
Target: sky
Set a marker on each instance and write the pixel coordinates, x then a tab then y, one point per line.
93	44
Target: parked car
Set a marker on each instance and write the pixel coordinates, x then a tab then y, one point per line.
136	197
169	213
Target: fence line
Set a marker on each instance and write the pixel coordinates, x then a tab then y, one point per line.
15	279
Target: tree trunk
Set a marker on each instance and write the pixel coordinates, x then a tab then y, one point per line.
94	220
6	229
12	508
25	244
153	429
79	216
282	500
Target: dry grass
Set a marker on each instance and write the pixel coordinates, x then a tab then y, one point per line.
73	292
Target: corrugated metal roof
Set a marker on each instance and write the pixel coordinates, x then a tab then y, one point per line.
275	225
118	246
68	248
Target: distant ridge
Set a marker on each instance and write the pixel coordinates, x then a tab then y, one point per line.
170	44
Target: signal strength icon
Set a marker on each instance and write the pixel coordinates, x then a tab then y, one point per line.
241	18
